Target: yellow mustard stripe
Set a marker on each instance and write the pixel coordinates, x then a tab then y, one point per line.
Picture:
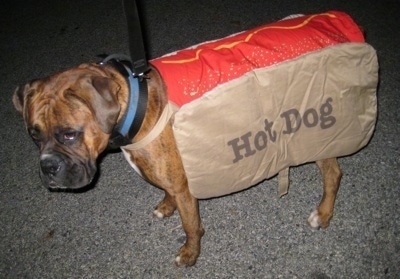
248	38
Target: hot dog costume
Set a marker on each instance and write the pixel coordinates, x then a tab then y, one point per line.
251	105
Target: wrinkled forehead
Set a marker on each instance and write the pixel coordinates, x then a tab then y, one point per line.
52	105
58	83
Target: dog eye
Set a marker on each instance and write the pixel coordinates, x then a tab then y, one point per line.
70	136
35	135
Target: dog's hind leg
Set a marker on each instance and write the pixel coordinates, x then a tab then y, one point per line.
331	175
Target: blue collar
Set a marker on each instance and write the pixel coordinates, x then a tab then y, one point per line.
131	121
131	109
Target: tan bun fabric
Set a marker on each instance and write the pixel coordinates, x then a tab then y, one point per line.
317	106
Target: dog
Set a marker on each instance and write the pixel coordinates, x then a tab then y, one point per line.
71	116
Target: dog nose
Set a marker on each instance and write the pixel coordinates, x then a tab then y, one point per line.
50	165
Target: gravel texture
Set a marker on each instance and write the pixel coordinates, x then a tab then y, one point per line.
109	232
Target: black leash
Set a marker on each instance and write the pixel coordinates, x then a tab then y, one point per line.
134	69
136	44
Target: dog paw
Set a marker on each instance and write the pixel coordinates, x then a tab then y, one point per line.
314	220
186	257
178	261
162	213
164	209
158	214
319	220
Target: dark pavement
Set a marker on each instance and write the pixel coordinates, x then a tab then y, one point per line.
109	232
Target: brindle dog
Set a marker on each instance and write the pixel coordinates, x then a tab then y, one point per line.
70	116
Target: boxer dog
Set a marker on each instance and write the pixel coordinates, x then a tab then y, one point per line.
70	116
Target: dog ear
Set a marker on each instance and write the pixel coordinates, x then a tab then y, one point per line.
104	102
19	96
22	93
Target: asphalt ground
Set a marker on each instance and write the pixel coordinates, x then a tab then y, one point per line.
109	232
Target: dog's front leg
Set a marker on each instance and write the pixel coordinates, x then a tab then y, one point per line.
188	208
168	174
177	196
160	163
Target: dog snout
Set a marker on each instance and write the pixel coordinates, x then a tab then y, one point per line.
51	164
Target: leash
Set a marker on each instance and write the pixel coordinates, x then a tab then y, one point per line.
134	68
136	44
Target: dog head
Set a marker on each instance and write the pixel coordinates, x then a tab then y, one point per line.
69	116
